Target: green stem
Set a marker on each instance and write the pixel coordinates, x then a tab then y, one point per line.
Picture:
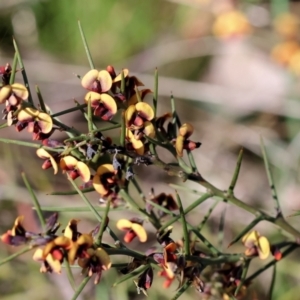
162	208
26	82
245	230
210	246
243	277
13	256
216	192
221	228
232	258
13	69
182	290
93	210
4	125
192	161
124	251
232	199
81	287
183	188
87	202
28	144
184	166
90	116
155	93
64	112
35	201
175	120
186	211
290	249
108	128
70	274
86	190
72	209
122	88
197	233
64	127
131	275
207	215
41	100
185	230
270	177
282	223
103	223
123	129
138	188
86	47
272	285
129	200
138	95
236	172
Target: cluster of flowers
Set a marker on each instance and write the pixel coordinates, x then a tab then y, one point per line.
70	246
231	23
83	248
287	52
18	112
105	96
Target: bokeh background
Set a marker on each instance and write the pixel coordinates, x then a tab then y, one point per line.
235	79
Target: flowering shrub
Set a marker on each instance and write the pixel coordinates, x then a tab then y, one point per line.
214	273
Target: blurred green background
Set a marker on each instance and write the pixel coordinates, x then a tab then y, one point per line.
229	89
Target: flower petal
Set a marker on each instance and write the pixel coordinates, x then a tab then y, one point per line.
105	168
145	110
129	113
179	145
109	103
99	187
83	171
171	247
5	92
287	24
61	241
18	228
71	229
20	91
140	232
89	78
149	129
186	130
124	224
45	122
38	255
231	23
27	114
54	263
68	163
251	239
119	77
105	80
263	247
283	52
136	144
92	96
129	236
104	258
85	239
42	153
